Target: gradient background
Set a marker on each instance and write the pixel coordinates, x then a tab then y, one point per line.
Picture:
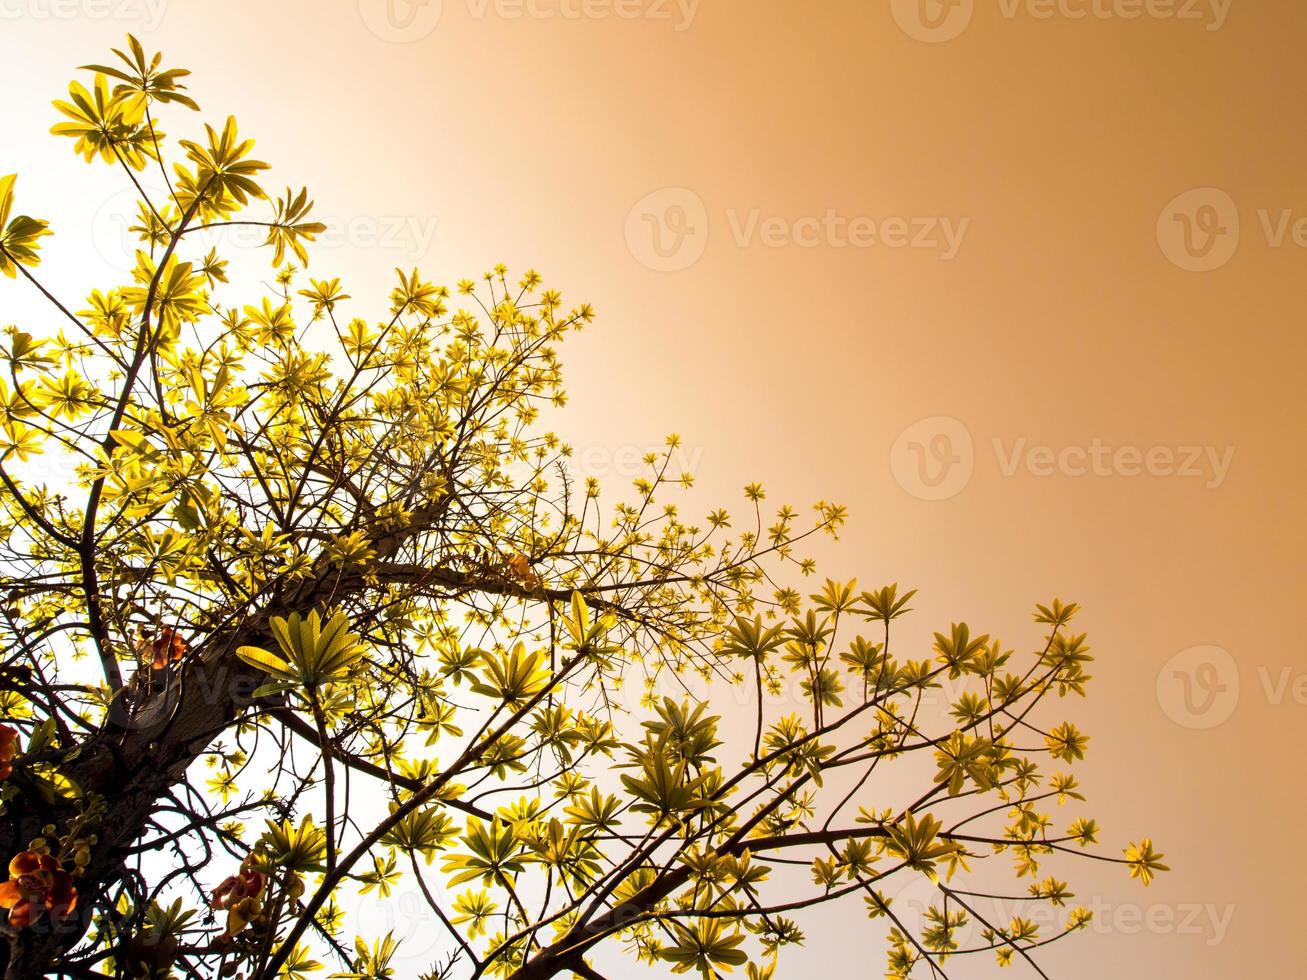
1063	318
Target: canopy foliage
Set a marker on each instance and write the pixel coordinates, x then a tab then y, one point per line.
299	606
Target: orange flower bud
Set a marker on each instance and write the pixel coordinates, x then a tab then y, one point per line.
519	566
168	647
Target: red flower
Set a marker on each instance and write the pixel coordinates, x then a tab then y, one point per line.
36	884
240	896
167	648
8	749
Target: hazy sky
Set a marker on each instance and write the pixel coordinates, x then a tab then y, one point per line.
1016	280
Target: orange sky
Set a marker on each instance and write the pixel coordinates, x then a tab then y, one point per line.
1067	242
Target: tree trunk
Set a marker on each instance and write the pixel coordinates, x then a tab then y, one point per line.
149	740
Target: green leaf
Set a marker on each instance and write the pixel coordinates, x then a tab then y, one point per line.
263	660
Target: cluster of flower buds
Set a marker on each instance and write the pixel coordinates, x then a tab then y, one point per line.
37	884
241	895
8	749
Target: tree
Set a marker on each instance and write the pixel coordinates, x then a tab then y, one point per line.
297	605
